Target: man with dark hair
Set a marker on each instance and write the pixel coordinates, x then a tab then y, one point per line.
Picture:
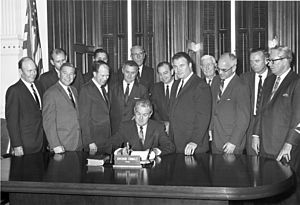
255	81
60	113
124	94
161	93
99	55
142	133
190	108
274	132
58	57
145	75
94	109
23	111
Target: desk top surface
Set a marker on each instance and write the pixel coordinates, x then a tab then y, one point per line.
202	176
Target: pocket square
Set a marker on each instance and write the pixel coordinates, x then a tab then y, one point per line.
285	95
137	98
228	99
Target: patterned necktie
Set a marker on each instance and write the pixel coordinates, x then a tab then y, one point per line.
104	93
220	90
36	96
126	95
275	87
182	81
141	135
259	91
167	95
71	97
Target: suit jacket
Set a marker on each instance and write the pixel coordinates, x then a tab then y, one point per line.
147	78
24	118
278	118
61	119
231	115
249	79
119	110
94	115
158	99
155	137
50	78
190	114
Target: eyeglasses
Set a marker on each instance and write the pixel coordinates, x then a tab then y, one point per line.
138	54
274	60
224	70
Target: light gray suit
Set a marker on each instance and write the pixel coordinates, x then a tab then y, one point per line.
61	119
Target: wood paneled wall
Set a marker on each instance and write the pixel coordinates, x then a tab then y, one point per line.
284	23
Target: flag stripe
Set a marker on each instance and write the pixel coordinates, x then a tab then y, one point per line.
31	43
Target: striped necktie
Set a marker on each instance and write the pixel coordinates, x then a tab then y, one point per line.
275	87
220	90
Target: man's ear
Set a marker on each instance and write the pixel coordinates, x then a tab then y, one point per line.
172	71
52	62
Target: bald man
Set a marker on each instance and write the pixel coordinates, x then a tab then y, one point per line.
231	108
23	111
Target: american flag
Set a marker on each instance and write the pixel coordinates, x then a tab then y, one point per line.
32	44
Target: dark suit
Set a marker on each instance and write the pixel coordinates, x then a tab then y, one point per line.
278	118
231	115
158	99
119	110
24	118
155	137
61	119
190	114
94	115
249	79
147	78
50	78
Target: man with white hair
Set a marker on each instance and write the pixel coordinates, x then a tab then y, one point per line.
208	66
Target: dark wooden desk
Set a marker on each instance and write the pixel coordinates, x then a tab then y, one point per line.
174	179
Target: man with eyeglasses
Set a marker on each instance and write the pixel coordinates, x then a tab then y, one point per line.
255	80
145	74
231	108
274	132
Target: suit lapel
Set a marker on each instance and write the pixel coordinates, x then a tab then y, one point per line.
283	85
149	133
28	93
65	95
98	95
228	90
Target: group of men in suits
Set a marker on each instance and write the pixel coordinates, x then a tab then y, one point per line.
256	111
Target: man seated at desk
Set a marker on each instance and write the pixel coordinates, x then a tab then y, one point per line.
142	133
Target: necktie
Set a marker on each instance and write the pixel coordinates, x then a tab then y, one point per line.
36	96
104	93
141	135
167	94
71	97
182	81
275	87
126	95
220	90
259	90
